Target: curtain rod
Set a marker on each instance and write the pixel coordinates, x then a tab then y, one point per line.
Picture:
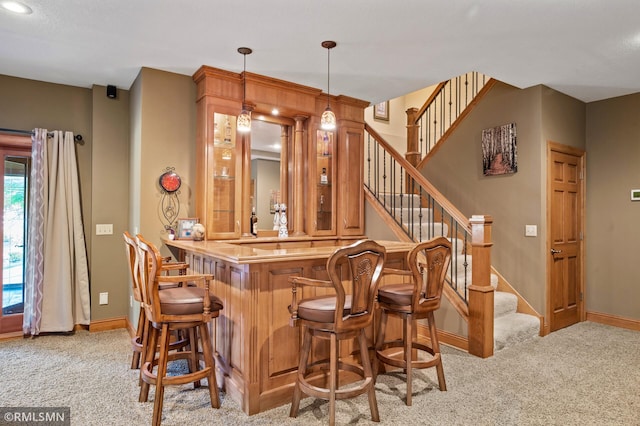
78	138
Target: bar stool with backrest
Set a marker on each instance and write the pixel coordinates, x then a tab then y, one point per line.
177	308
337	318
428	262
138	342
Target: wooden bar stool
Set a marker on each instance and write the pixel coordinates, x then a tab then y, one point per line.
354	273
138	342
188	308
428	262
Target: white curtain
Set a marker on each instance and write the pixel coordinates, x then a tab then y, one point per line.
57	276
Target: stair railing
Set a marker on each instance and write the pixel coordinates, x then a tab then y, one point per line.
447	105
423	213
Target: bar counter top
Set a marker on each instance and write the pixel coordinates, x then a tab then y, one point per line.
257	250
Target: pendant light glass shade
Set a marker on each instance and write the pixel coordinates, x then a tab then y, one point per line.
328	119
244	119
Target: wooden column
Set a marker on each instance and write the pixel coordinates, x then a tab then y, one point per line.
413	131
284	169
480	291
245	223
296	211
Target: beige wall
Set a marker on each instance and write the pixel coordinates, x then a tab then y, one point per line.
608	131
394	131
613	233
163	116
163	134
158	117
512	200
110	203
27	104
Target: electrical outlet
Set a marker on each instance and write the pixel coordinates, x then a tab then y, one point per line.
104	298
530	231
104	229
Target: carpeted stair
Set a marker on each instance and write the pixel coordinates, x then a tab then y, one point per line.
510	326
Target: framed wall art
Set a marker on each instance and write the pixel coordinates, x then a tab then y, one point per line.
499	150
185	228
381	111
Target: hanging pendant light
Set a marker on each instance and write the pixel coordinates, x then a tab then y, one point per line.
244	119
328	119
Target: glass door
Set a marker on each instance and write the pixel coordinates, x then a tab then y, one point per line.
325	175
15	190
225	174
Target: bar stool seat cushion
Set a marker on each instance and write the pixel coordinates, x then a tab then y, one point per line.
396	294
321	309
186	301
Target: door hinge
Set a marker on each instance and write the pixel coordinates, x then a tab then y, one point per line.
581	296
581	236
581	175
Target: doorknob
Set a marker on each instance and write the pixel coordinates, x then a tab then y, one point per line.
554	251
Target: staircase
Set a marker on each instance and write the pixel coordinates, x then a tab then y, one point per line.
418	212
510	326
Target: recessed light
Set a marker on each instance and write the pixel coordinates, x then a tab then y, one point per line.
17	7
275	111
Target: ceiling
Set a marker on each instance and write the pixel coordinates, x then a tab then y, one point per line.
588	49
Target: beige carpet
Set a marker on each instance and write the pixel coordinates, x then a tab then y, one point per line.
587	374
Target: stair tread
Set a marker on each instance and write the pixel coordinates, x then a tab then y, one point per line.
514	328
504	303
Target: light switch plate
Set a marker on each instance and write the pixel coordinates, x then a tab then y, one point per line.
104	298
530	231
104	229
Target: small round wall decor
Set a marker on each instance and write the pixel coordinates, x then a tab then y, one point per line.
170	181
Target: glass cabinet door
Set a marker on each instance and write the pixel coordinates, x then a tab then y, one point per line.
324	182
225	174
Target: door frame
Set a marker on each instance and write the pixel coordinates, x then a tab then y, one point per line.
19	144
565	149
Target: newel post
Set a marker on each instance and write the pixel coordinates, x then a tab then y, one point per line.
413	132
480	291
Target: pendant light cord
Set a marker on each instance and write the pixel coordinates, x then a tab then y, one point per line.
328	74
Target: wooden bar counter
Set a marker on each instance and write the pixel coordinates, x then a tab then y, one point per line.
256	348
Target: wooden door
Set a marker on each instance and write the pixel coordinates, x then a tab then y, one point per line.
565	305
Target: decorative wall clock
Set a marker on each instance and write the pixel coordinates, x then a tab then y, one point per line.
170	181
169	206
